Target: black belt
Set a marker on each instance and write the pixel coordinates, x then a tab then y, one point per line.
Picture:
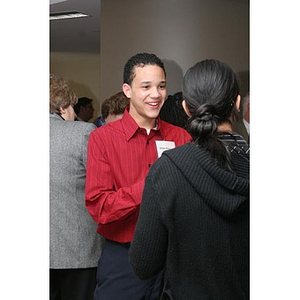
126	245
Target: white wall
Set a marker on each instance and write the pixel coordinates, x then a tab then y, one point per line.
180	32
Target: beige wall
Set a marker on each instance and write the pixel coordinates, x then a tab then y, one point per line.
83	72
180	32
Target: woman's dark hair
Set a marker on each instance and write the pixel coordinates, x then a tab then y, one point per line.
173	112
140	60
210	89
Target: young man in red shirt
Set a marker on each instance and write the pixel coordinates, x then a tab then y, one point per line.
120	155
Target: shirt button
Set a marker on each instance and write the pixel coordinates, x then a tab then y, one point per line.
149	165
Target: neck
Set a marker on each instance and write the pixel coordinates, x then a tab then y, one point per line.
225	127
148	125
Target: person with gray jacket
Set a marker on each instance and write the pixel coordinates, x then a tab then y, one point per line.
75	246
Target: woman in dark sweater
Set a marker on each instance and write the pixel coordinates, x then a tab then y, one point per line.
194	217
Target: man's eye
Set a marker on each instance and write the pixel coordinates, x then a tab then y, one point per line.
145	87
163	86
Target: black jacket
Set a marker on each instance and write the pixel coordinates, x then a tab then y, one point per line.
194	223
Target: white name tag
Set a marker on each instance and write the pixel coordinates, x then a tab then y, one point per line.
162	146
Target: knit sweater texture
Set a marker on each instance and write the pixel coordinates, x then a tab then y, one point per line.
194	225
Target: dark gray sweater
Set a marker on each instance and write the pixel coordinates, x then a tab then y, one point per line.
194	224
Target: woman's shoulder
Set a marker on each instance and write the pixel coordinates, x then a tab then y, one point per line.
169	158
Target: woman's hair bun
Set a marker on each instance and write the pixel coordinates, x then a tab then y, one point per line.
203	122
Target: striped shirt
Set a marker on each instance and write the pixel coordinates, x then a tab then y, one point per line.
239	151
120	154
235	142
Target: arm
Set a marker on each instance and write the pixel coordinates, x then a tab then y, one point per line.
148	249
104	201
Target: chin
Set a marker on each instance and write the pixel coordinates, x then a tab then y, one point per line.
153	115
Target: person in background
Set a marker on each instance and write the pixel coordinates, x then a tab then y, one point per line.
242	123
120	155
112	109
194	216
74	245
84	109
173	112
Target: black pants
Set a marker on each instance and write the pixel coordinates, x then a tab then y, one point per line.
72	284
116	280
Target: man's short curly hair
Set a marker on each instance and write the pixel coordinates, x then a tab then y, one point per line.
140	60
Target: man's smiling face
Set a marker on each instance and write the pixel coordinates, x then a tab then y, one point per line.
147	94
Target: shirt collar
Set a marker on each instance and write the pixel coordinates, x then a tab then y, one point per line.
57	116
130	126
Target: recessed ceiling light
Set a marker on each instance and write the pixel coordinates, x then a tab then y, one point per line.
67	15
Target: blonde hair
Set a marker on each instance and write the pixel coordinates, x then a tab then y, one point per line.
61	94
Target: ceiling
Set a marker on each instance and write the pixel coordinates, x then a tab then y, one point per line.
75	35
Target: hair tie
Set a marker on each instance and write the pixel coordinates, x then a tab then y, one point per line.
207	116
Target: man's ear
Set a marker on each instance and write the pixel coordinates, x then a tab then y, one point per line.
238	102
126	90
185	108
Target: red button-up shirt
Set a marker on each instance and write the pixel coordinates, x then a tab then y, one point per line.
120	154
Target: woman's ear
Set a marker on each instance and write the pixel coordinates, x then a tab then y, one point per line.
238	102
186	110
